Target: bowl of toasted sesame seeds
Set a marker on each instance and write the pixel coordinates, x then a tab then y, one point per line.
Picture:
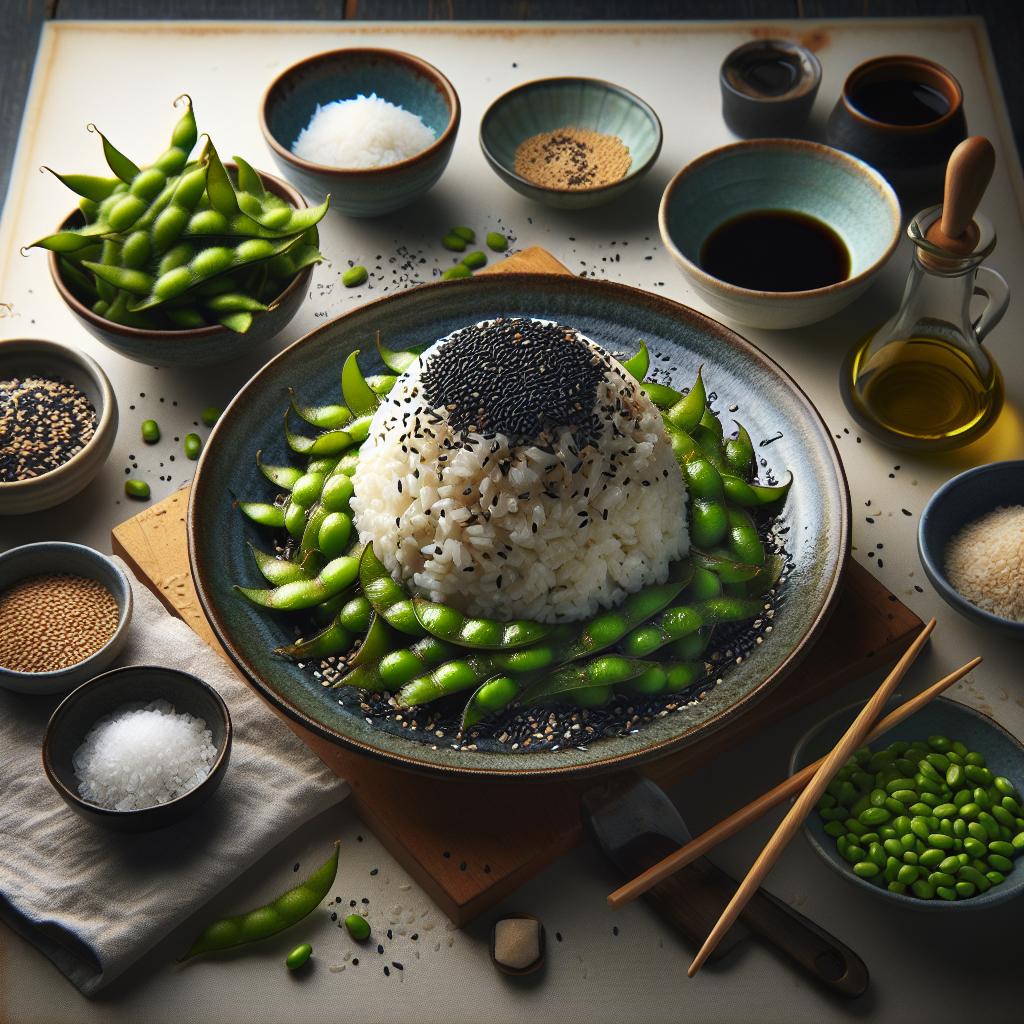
64	614
58	419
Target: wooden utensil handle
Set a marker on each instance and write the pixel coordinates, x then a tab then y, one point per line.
967	176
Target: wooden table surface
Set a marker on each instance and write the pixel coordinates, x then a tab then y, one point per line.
23	19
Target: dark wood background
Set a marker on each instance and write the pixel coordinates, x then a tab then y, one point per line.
22	19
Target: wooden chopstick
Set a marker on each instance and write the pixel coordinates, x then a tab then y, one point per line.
740	819
804	803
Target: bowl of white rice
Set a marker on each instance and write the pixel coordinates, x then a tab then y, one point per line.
372	128
138	748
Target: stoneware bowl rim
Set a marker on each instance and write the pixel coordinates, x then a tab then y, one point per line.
32	681
894	60
808	82
191	334
1002	893
382	745
813	150
431	73
104	421
137	815
932	560
543	83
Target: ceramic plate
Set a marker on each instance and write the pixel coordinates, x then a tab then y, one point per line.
742	381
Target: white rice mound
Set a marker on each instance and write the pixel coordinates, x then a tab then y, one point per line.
461	532
363	132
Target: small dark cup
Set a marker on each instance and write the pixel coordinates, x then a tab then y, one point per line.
912	157
768	88
84	707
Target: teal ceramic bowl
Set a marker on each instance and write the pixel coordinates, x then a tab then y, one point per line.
1004	755
760	393
962	500
853	199
550	103
397	77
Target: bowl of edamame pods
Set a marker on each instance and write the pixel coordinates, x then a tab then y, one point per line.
928	817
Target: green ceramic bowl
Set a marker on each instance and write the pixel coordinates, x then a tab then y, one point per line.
551	103
755	389
780	174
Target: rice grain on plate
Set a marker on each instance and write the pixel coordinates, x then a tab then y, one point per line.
363	132
517	470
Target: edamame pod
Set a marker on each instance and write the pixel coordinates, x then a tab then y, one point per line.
570	680
359	396
326	417
687	412
389	599
485	634
396	361
333	578
396	668
492	695
637	365
281	476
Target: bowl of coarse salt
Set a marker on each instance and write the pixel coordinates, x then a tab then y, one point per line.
372	128
971	542
138	748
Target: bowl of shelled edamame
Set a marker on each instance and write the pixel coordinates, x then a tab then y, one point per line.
929	817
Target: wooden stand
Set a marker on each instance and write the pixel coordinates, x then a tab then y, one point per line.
467	863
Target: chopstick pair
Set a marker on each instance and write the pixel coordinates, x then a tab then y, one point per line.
812	780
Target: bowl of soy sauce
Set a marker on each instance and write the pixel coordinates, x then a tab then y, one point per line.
779	233
903	115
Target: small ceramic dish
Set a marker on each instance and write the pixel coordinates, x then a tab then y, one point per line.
956	503
1004	755
397	77
201	346
912	156
22	357
768	87
76	560
551	103
854	200
133	685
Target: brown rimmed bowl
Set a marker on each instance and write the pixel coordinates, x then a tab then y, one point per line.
400	78
767	400
202	346
22	357
133	685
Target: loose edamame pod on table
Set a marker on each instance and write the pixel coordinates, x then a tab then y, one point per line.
259	924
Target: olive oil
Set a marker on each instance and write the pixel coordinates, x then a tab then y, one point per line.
925	389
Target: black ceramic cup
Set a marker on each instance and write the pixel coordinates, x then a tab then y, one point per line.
903	115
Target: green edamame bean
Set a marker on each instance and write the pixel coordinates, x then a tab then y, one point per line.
460	270
259	924
192	446
865	869
496	241
357	927
150	431
475	260
281	476
492	695
389	600
454	242
355	276
874	816
334	534
137	489
335	576
294	519
449	624
307	489
262	513
466	234
355	615
938	840
298	956
1004	786
210	415
337	493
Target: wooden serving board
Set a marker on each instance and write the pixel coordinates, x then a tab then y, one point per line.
468	863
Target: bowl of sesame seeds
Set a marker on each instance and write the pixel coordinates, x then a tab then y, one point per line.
58	419
64	615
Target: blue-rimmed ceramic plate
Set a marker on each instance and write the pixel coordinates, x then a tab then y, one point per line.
744	383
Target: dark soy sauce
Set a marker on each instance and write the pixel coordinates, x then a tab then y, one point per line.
775	251
766	73
899	101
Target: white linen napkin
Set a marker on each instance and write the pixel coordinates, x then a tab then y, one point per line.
94	900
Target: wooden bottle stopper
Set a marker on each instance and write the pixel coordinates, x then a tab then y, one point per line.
967	176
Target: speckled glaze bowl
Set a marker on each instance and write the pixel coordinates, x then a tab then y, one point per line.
20	357
960	501
762	395
78	560
134	684
551	103
203	346
1002	751
780	174
397	77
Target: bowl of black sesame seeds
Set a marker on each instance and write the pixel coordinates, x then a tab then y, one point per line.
58	419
